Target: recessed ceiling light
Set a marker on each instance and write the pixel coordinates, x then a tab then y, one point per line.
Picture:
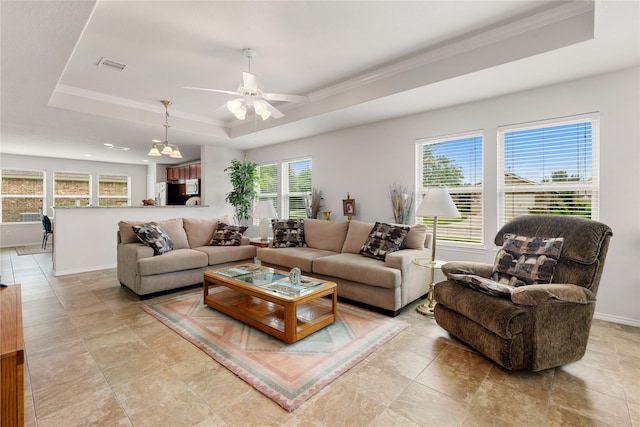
156	140
145	160
88	155
116	147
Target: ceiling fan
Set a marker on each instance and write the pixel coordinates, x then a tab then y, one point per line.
252	96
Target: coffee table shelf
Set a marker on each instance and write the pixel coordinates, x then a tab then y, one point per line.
288	318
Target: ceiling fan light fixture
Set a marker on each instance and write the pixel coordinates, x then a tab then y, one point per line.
234	105
265	114
241	113
259	106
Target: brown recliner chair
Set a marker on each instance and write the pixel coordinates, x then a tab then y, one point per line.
537	326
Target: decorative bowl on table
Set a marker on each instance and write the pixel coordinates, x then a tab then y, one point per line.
149	202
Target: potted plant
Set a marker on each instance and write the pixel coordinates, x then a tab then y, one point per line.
244	179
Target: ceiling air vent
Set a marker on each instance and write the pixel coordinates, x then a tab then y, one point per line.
111	65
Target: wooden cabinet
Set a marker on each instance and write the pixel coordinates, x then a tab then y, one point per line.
172	174
194	171
180	174
11	357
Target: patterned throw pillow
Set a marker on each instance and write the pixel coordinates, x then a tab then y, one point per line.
227	235
526	260
153	236
288	233
383	239
483	284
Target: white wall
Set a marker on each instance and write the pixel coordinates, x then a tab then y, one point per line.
365	160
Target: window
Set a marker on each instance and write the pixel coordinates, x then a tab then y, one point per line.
268	188
549	168
113	190
22	195
296	184
455	162
71	186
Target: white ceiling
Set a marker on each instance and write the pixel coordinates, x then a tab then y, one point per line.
359	62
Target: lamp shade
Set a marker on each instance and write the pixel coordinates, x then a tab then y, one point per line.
437	202
264	209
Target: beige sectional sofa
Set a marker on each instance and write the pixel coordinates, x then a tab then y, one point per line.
146	274
332	253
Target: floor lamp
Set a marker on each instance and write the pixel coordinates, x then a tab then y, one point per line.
437	202
264	210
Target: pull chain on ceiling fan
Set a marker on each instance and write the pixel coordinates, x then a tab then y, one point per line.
252	96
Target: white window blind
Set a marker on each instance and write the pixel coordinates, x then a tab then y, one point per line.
268	187
296	184
454	162
549	168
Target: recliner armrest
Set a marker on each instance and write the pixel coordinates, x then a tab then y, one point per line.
481	269
532	295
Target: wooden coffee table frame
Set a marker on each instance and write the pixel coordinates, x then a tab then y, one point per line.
288	318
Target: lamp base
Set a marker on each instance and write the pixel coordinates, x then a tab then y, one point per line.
425	309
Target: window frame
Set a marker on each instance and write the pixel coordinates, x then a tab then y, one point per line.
74	197
286	195
41	195
127	196
269	195
592	186
475	239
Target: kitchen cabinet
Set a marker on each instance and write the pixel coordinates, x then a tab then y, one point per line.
180	174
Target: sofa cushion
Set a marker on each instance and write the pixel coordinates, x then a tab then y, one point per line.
227	235
200	230
357	268
288	233
175	230
303	258
177	260
416	237
383	239
126	232
356	236
526	260
224	254
327	235
153	236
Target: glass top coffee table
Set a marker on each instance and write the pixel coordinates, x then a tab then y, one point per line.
264	298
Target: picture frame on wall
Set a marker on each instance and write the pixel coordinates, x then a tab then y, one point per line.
349	207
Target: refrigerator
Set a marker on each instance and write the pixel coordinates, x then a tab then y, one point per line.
161	193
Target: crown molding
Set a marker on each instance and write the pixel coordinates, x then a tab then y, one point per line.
463	44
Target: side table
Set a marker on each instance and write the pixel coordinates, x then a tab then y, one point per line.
428	307
260	243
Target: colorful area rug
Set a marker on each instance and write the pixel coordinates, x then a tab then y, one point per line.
31	250
288	374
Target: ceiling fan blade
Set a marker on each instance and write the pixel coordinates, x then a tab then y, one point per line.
250	81
210	90
300	99
274	111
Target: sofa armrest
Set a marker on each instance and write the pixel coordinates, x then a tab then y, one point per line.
403	257
481	269
537	294
245	241
128	255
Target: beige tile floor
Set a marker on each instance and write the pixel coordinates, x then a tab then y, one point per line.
94	358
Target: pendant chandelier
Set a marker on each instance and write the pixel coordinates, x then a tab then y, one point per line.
165	147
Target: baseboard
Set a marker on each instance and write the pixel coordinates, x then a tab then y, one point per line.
617	319
83	270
